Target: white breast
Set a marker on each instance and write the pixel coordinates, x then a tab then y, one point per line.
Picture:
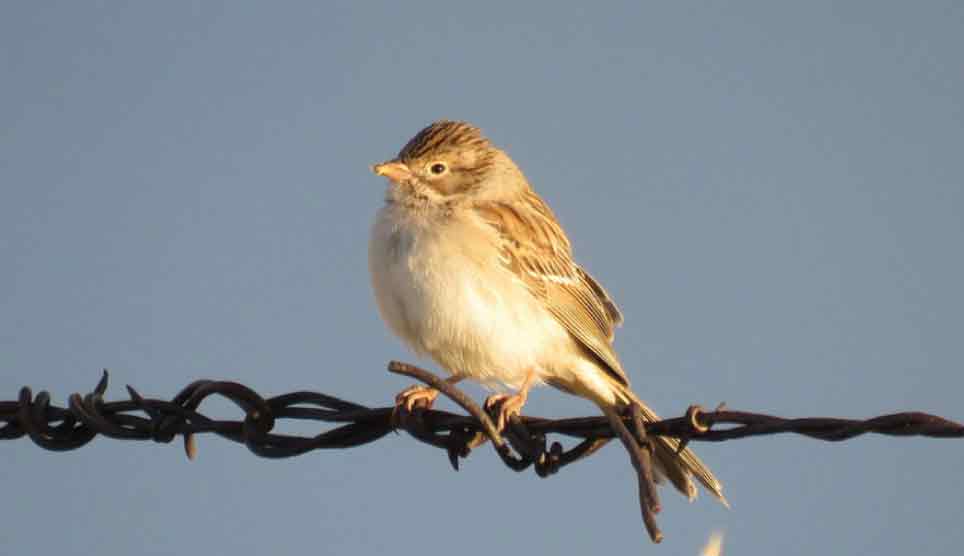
440	287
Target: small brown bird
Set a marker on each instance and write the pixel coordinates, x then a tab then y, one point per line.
470	267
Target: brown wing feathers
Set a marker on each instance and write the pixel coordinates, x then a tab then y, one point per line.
537	251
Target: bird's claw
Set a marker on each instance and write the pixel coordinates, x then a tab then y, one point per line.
504	406
414	396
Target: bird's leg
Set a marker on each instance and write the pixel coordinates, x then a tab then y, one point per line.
418	394
510	404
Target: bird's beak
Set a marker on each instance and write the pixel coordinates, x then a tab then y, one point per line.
394	170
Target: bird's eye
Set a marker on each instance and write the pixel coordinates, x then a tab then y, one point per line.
438	168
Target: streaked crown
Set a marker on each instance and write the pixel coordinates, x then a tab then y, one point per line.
442	136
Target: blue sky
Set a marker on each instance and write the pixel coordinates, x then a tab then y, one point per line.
772	192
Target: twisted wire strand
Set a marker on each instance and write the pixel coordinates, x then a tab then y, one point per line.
521	444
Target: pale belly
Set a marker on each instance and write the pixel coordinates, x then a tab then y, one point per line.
459	306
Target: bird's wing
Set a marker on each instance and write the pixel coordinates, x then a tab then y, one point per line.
535	249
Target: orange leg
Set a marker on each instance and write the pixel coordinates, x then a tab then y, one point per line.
510	404
420	395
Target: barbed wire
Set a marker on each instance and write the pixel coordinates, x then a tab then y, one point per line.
521	444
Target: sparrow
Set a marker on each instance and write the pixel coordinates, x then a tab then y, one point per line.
470	267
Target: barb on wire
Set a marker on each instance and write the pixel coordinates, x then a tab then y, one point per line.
523	442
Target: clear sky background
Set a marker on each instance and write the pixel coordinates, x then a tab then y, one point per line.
772	192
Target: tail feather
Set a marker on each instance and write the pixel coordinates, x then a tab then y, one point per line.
676	467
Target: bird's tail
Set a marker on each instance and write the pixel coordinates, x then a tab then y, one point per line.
678	468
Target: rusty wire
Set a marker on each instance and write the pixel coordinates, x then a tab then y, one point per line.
520	445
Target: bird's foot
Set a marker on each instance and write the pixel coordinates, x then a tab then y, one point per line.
505	405
412	397
423	396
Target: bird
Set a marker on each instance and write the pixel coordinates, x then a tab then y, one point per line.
470	267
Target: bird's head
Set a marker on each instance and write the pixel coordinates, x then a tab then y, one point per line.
447	162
